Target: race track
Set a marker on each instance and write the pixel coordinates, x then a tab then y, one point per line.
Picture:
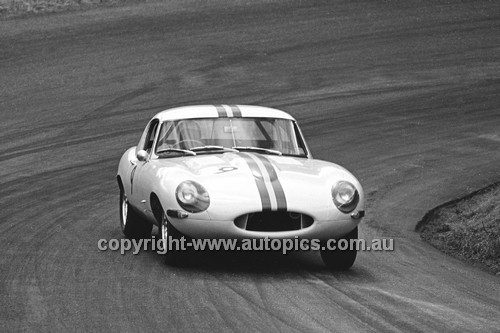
405	94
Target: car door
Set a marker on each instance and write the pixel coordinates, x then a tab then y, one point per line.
142	176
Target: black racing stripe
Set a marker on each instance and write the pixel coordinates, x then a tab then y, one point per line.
222	112
236	111
261	186
275	182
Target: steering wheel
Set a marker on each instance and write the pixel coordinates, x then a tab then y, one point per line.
197	143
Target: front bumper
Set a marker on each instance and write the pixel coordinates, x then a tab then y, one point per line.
213	229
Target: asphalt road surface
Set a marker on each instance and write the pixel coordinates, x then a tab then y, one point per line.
405	94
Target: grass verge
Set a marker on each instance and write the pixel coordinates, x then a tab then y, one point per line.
467	228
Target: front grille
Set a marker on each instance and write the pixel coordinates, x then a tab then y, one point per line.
273	221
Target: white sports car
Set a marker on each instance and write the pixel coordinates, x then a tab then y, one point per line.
236	172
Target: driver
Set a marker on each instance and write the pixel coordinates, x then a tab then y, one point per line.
189	134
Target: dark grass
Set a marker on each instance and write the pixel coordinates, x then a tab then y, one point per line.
467	228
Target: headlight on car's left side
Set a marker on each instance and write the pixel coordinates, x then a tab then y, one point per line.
345	196
192	197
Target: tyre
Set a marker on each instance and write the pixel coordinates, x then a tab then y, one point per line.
132	225
340	259
171	238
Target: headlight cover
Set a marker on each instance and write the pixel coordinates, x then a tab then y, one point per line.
345	196
192	197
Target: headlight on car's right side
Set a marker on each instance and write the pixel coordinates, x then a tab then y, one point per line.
192	197
345	196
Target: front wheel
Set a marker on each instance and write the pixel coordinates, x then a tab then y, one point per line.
171	238
132	225
340	259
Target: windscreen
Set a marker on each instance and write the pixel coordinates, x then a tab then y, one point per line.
279	135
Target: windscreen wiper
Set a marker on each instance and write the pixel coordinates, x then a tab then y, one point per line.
176	150
208	148
258	149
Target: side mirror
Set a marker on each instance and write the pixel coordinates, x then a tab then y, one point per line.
142	155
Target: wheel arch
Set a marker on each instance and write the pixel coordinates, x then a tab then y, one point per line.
120	183
156	207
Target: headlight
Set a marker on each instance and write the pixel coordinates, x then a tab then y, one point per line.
345	196
192	197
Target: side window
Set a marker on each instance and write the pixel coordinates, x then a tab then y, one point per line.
299	141
148	138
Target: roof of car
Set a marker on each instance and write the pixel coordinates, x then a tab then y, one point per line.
221	111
